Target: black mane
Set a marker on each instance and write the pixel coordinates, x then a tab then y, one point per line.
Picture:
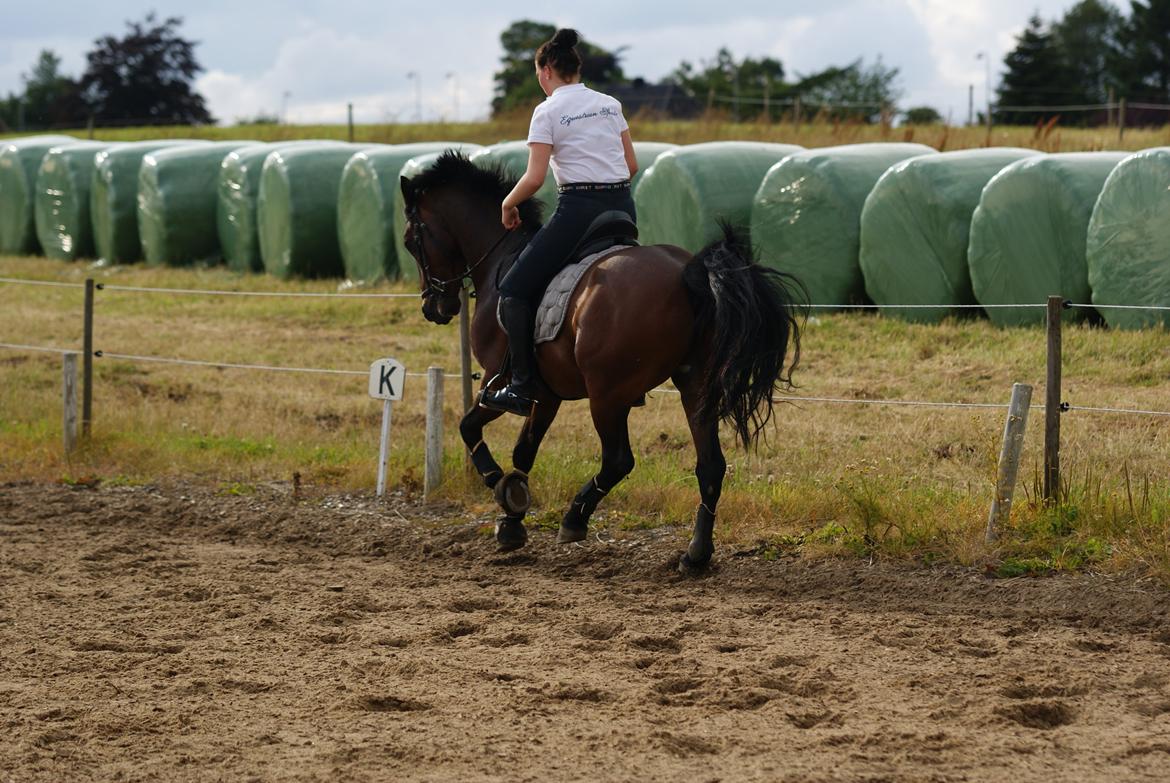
454	169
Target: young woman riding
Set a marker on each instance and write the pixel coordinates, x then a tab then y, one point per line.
583	135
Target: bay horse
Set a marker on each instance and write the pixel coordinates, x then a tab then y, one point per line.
717	324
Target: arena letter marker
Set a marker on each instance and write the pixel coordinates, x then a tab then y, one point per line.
387	377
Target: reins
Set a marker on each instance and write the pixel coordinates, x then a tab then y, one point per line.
439	287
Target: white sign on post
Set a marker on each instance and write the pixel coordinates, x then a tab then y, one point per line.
387	377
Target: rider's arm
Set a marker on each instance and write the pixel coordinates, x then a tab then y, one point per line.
628	147
533	179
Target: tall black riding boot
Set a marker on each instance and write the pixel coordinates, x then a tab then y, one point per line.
517	396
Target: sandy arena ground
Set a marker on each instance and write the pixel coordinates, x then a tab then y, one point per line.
173	634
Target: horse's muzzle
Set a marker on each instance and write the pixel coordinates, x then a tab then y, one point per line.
440	309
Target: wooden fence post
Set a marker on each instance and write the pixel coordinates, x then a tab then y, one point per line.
69	395
1052	403
87	361
349	120
1009	457
1121	121
433	475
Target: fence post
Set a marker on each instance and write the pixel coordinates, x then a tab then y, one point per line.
87	361
1121	120
1009	457
433	475
69	394
1052	394
465	360
349	115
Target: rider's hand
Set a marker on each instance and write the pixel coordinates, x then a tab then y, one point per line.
509	216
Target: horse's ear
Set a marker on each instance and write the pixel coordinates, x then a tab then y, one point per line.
407	189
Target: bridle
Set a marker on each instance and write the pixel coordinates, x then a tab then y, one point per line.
432	286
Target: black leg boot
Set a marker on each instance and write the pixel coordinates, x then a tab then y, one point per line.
516	397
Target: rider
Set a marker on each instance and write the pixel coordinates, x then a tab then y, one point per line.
583	134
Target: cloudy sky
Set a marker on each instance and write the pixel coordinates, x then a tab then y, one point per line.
311	57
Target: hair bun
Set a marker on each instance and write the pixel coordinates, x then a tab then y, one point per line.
566	38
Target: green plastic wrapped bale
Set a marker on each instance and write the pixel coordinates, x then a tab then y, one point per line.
297	210
1028	233
646	152
1128	249
407	269
61	202
512	156
176	203
368	210
915	229
113	199
689	190
806	217
19	161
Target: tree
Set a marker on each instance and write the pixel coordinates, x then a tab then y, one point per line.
923	115
516	85
146	76
739	86
1089	40
51	98
855	92
1146	46
1035	68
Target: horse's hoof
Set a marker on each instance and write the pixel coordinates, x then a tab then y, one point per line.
510	535
512	494
569	534
689	567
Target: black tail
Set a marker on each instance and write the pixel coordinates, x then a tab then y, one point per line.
750	313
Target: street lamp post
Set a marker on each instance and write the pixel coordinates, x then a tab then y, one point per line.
417	95
284	107
986	84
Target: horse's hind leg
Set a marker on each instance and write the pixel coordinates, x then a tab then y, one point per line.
512	491
709	470
617	460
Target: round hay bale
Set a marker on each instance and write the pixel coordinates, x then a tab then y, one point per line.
369	204
1128	249
297	210
177	202
1028	233
689	190
806	215
915	229
646	152
113	199
20	159
61	203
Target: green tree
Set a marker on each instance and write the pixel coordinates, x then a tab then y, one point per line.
51	98
855	92
922	115
1088	38
1146	45
740	87
1035	68
146	76
516	85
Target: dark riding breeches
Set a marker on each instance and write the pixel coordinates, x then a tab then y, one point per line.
548	252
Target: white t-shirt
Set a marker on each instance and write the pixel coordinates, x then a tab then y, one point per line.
585	129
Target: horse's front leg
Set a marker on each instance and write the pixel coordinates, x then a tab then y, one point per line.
512	492
471	430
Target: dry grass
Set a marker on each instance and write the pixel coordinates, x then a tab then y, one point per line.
904	482
815	133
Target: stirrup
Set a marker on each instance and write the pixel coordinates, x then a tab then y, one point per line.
506	400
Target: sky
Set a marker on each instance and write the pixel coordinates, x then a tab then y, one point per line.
306	59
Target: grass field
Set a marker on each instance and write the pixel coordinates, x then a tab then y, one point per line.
713	128
888	481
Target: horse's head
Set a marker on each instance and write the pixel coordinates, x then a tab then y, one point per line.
441	265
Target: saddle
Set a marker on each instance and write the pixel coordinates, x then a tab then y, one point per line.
609	231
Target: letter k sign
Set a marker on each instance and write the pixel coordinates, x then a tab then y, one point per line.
386	379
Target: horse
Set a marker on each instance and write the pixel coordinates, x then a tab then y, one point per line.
722	327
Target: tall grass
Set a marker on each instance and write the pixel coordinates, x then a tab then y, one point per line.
874	481
816	132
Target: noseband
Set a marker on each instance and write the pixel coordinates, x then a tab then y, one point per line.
432	286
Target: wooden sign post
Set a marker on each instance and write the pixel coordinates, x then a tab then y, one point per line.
387	377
